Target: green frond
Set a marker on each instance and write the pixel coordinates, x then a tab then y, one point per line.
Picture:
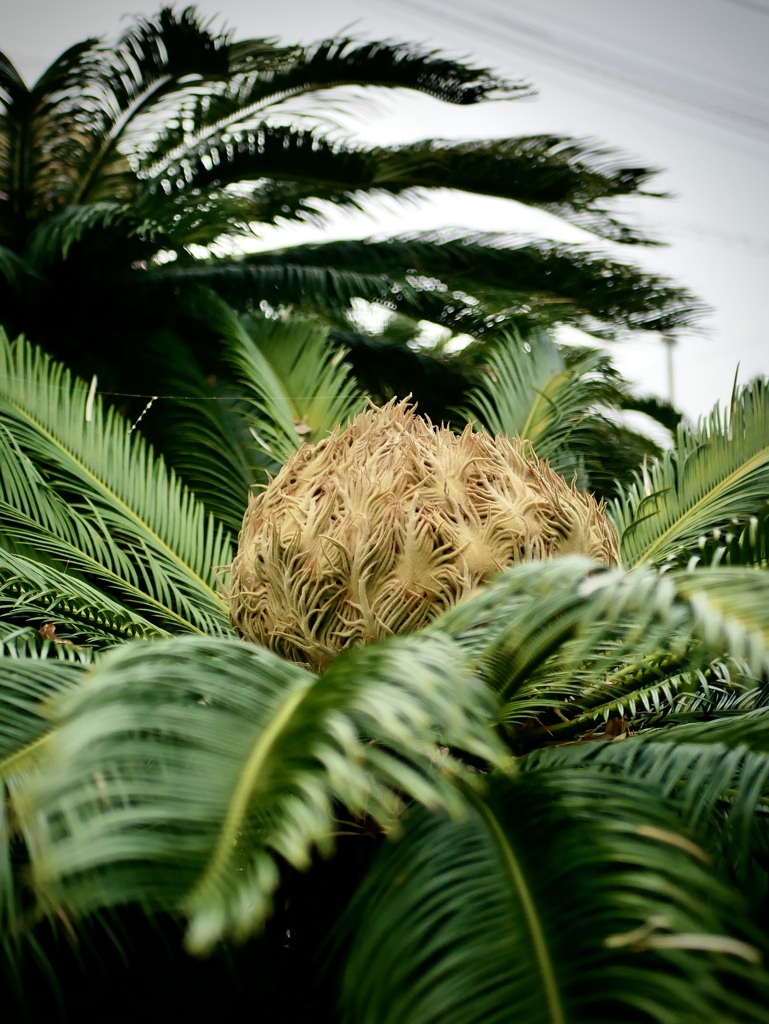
569	646
294	379
82	549
519	391
26	642
718	781
27	685
34	592
280	282
204	433
323	67
560	284
53	238
714	473
197	217
344	61
293	383
14	269
528	388
743	729
11	82
612	453
563	176
744	541
656	408
29	679
564	896
103	497
383	362
186	768
297	173
43	141
292	170
556	283
143	79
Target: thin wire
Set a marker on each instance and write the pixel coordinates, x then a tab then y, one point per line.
155	398
562	53
752	244
697	76
751	5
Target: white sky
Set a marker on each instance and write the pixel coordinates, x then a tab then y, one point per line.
678	84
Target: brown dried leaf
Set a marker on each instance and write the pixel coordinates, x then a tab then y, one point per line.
48	632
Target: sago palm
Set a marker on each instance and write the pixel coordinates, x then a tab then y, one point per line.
129	171
547	803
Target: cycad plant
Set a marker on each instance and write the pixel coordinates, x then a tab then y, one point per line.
546	804
132	173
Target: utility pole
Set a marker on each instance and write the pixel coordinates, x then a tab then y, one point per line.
669	341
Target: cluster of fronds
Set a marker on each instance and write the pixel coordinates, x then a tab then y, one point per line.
128	170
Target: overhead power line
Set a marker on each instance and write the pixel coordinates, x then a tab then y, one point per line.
626	48
752	5
564	52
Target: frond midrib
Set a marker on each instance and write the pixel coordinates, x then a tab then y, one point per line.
28	753
556	1009
109	575
112	137
724	485
238	804
543	409
124	507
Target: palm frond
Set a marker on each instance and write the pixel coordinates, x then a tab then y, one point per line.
656	408
613	453
344	61
43	139
297	173
383	362
29	678
28	683
53	238
40	521
568	647
112	502
295	381
35	592
715	472
528	388
187	767
717	777
25	642
11	82
519	390
194	217
14	269
559	283
291	377
326	65
744	541
202	427
556	283
281	283
145	76
563	176
562	897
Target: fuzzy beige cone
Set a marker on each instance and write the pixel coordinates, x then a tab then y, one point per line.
383	525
